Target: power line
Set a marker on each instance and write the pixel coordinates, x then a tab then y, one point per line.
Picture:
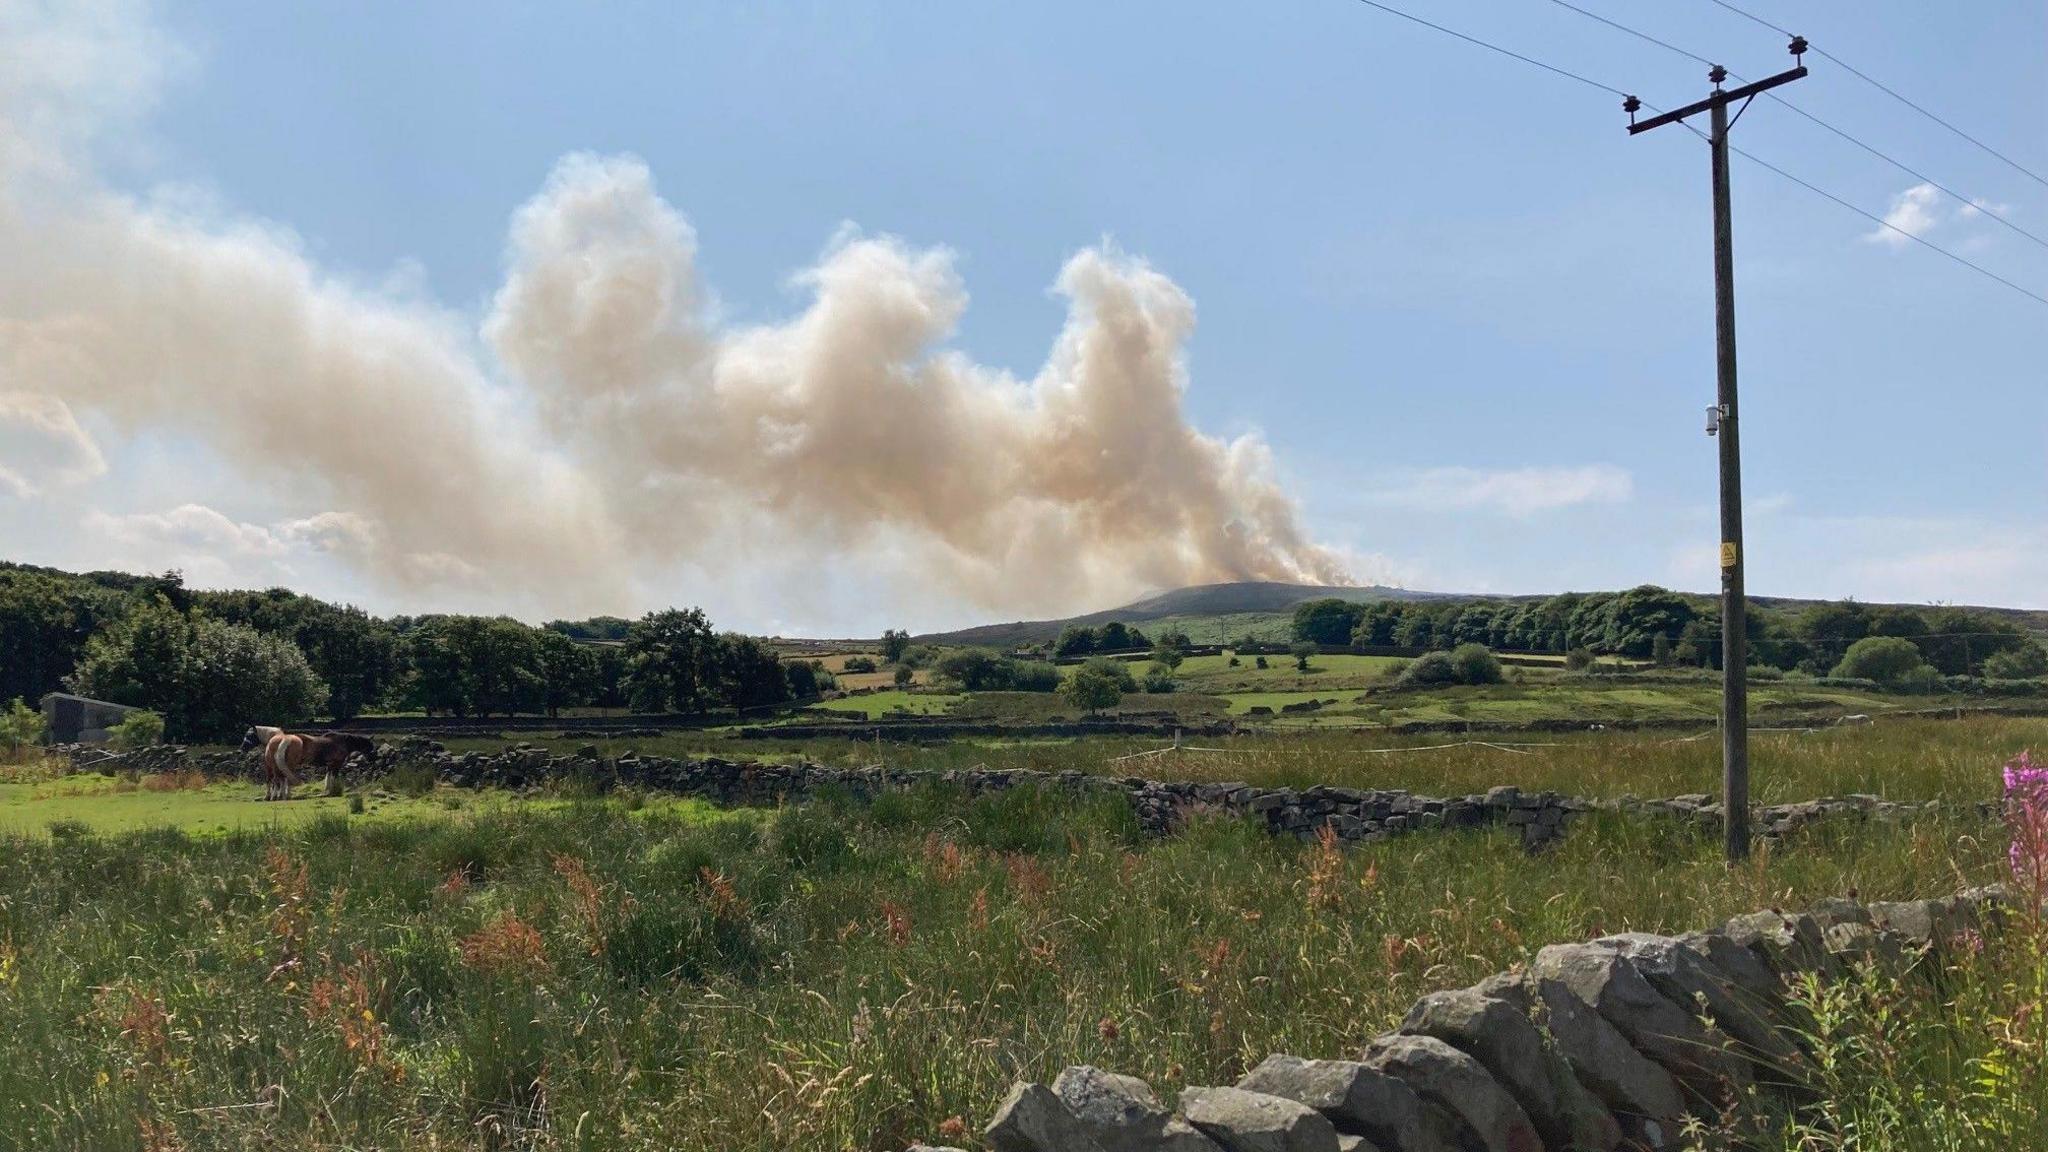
1494	48
1974	205
1619	27
1845	66
1969	203
1882	222
1589	82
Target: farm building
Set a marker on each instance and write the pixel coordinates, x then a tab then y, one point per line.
80	720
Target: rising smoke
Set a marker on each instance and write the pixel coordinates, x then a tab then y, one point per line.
602	427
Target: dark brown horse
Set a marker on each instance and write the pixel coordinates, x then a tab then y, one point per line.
286	754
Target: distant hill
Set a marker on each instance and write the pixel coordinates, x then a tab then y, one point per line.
1258	607
1201	600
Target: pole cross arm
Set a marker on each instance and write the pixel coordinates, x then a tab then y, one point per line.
1734	94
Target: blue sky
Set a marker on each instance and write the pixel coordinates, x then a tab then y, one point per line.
1470	316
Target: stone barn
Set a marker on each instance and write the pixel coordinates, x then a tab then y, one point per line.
80	720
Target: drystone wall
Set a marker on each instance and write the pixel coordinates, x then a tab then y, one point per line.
1607	1045
1351	815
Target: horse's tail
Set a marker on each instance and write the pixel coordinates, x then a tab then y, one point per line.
278	754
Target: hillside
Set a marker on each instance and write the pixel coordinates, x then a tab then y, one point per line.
1203	600
1260	608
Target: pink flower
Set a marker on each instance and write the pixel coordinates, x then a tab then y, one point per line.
2026	811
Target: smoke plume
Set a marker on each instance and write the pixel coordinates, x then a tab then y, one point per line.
600	426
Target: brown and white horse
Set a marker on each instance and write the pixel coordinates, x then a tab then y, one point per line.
285	754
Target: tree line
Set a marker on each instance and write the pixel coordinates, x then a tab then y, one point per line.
1655	623
213	662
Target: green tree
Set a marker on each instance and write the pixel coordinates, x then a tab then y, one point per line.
669	660
975	670
1885	659
1474	622
1096	685
1303	652
1074	640
1326	621
904	675
2023	662
809	680
1474	664
21	726
1170	650
237	676
1642	615
1116	636
1158	679
1959	640
895	641
568	671
1897	620
138	729
435	679
1428	670
1377	623
142	660
748	672
45	622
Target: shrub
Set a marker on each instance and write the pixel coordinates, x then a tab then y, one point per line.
1302	653
904	675
1098	684
1921	679
1578	659
2020	663
1033	676
1158	679
1430	669
1885	659
1475	664
20	726
138	729
1764	673
1259	662
859	664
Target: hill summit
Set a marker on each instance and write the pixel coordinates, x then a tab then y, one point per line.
1198	600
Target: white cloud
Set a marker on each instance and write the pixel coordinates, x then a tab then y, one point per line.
41	443
1512	491
1914	213
189	527
1922	209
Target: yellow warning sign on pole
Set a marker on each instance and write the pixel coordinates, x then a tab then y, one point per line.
1727	554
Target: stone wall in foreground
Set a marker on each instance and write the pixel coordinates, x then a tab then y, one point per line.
1606	1045
1350	814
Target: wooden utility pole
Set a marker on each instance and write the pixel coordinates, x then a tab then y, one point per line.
1722	421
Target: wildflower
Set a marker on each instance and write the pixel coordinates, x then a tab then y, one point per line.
507	945
2026	812
898	919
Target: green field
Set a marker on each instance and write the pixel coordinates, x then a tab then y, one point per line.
842	978
878	704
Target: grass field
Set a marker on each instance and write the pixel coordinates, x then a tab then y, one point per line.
837	977
1904	760
876	704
